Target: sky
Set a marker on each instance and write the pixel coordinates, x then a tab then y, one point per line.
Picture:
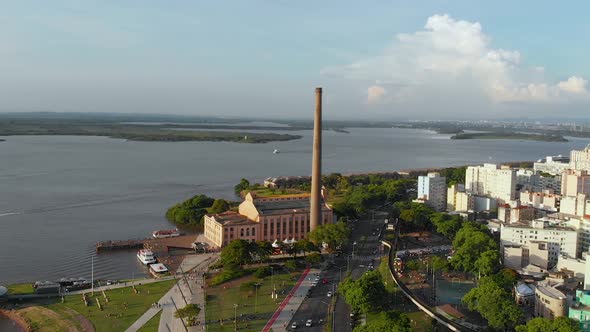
382	60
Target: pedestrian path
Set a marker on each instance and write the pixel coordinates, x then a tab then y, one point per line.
144	319
191	292
281	318
194	266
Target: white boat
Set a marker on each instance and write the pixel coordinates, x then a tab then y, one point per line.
146	256
166	233
276	151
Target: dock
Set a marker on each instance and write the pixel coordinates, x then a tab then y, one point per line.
120	244
183	242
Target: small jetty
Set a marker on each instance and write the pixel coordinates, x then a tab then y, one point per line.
176	243
120	244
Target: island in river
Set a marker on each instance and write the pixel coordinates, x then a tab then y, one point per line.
510	135
138	132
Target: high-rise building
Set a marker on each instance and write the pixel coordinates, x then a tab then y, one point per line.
492	181
432	189
574	182
580	159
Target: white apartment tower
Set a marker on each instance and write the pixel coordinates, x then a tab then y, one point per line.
432	189
580	159
492	181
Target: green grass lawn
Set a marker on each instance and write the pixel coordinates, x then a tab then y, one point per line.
221	300
152	325
26	288
124	306
420	321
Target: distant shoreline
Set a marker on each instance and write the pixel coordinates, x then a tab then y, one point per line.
135	132
510	135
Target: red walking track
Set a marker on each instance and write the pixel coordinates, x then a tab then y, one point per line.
285	302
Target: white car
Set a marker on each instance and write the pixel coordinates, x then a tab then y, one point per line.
294	325
313	284
308	323
329	294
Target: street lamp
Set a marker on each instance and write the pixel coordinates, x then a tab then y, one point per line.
256	285
272	281
347	262
340	271
235	317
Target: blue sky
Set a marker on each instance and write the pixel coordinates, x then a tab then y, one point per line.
453	59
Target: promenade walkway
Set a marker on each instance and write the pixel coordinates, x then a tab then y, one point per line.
196	265
280	319
193	266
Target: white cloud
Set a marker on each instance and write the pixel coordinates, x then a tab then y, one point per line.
456	57
375	94
574	84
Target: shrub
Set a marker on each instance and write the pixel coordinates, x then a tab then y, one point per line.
262	272
291	265
229	273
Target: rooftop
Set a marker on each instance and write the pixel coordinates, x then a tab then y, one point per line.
546	226
230	218
551	292
281	207
524	290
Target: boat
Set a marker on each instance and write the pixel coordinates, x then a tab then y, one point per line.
158	270
276	151
146	256
162	234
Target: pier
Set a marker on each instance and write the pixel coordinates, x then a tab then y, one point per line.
183	242
121	244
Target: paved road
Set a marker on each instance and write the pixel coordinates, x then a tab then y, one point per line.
367	243
315	307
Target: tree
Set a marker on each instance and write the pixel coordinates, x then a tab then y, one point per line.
366	294
487	263
190	211
243	185
189	311
237	252
470	243
219	205
440	263
314	258
494	303
446	224
304	245
540	324
454	175
387	321
263	250
291	265
415	215
262	272
332	234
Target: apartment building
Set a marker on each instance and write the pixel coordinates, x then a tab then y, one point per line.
492	181
432	190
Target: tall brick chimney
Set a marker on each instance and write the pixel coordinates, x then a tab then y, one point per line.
316	166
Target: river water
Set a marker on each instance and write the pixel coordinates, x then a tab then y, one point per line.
7	325
61	194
